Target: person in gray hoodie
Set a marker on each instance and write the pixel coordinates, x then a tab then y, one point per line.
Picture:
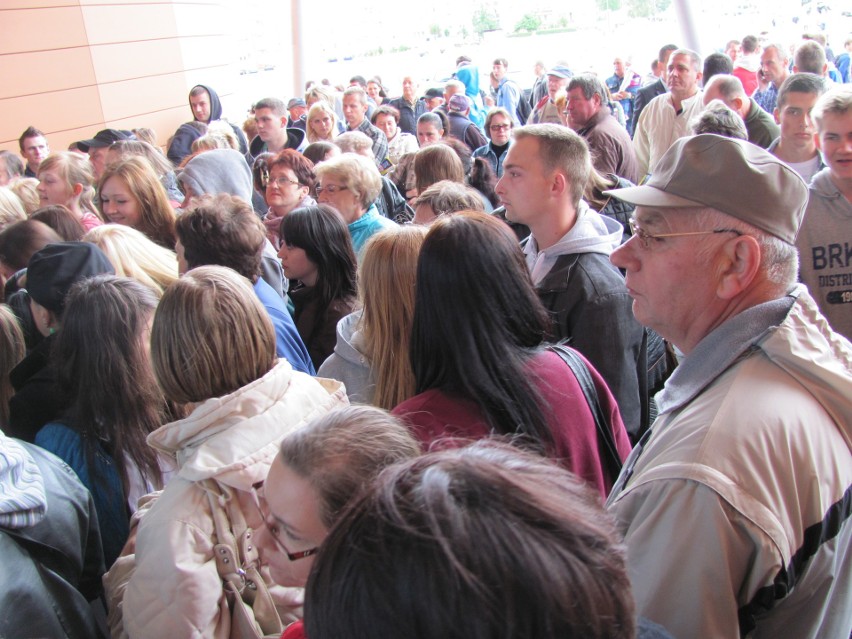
824	238
544	177
226	171
366	357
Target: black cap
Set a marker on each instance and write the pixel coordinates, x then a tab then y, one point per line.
434	93
53	270
103	138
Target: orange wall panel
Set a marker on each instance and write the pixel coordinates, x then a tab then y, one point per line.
128	60
45	72
73	67
41	29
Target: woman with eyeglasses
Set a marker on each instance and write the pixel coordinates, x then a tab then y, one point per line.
288	182
351	183
317	256
498	130
320	469
212	349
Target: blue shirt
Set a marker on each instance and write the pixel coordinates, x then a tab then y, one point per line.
366	226
288	344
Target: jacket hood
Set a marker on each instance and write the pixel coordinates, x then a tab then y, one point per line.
349	344
215	103
592	233
823	184
748	62
234	438
218	171
23	502
295	140
821	360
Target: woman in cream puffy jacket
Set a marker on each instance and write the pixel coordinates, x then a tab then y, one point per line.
212	347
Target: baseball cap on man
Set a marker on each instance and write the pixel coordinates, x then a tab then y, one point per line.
296	102
102	139
729	175
458	103
560	71
434	93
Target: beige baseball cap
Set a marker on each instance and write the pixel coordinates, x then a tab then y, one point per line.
732	176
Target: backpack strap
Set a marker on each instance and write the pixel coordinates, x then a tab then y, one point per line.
607	449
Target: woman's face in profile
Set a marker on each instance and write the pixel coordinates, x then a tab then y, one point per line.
292	525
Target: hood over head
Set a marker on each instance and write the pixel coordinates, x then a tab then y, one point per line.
218	171
215	103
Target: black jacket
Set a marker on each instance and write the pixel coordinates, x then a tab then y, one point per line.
52	570
643	97
591	309
37	399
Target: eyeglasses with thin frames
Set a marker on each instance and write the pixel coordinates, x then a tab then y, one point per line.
272	527
645	238
282	181
331	189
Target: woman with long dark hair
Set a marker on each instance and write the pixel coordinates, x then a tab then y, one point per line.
316	251
104	367
477	352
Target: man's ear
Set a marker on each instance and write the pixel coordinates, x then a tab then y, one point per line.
739	263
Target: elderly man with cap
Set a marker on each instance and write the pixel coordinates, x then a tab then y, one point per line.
98	146
434	97
736	505
546	111
297	109
51	273
461	126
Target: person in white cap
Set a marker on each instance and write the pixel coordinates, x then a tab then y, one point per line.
736	505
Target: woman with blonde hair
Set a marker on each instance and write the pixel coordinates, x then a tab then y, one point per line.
11	208
212	348
371	354
351	183
322	123
133	255
12	351
131	194
27	191
66	178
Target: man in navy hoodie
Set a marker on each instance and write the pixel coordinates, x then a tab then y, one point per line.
206	108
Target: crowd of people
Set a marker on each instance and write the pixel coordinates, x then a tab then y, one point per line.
473	361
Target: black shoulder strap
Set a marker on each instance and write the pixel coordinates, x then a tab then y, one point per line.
610	459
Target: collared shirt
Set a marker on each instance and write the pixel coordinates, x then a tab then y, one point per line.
767	99
659	126
380	140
